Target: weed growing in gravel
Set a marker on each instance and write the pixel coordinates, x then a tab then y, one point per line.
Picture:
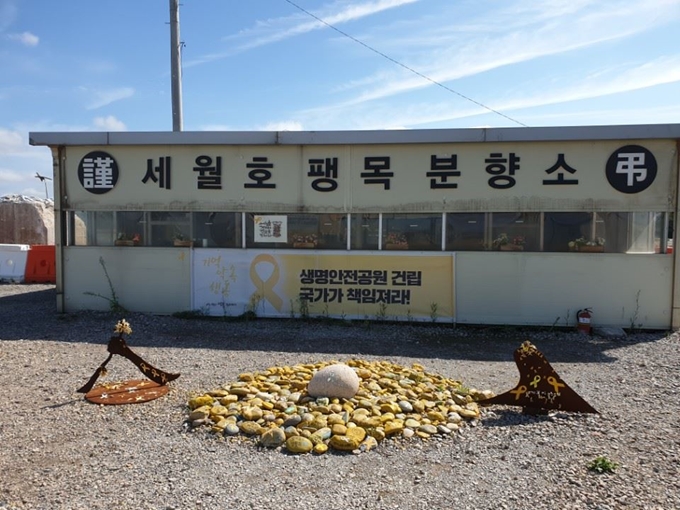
114	304
433	312
381	314
602	464
634	325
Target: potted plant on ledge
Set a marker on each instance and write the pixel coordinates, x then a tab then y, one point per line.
123	239
179	239
583	245
395	241
305	240
504	243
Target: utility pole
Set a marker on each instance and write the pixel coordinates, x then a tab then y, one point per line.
175	66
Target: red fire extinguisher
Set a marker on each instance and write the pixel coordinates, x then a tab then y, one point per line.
583	318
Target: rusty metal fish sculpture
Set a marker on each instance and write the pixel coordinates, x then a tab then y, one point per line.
539	387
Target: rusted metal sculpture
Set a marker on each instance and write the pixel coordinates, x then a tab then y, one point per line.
539	388
129	391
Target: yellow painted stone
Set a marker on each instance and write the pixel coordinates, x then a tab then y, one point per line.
334	419
203	400
344	443
299	444
199	414
358	433
320	448
393	427
376	432
338	429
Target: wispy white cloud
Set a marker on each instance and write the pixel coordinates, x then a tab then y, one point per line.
10	176
606	82
11	142
108	123
100	98
25	38
511	39
277	29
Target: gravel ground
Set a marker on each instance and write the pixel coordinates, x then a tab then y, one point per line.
60	451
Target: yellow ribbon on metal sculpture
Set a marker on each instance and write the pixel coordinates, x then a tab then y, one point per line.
266	287
555	384
518	392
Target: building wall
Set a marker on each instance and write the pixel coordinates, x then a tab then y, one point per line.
592	169
154	280
546	288
490	287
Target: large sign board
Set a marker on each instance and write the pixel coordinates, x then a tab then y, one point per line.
570	175
285	283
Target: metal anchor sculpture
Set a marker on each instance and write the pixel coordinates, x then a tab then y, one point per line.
539	387
117	345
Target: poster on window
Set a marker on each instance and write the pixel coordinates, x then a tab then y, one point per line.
286	283
270	229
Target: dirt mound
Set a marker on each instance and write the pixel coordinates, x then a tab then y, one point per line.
26	220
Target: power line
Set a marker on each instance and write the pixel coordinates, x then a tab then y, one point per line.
405	66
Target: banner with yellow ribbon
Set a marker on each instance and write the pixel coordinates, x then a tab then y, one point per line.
351	285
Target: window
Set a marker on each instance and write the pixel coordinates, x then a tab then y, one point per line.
92	228
364	228
217	229
167	228
412	232
515	231
465	231
563	231
130	228
303	231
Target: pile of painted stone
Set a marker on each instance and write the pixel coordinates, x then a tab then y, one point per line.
392	400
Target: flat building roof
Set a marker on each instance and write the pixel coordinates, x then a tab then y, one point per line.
402	136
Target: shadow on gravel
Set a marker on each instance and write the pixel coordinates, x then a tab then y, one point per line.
27	314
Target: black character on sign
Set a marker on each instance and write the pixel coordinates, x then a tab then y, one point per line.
441	169
160	174
260	173
326	173
377	173
98	172
209	174
631	169
503	169
560	167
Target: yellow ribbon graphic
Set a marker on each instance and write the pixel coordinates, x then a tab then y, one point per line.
519	391
266	288
555	384
534	383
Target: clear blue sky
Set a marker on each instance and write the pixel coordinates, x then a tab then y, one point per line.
104	65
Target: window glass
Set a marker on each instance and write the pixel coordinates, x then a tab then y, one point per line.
91	228
364	229
130	228
217	229
412	232
465	231
645	232
670	233
566	231
303	231
515	231
168	228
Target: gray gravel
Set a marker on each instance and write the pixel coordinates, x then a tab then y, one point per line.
59	451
